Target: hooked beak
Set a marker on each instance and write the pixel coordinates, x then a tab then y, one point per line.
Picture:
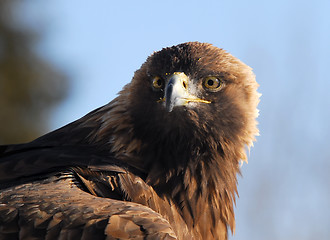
177	92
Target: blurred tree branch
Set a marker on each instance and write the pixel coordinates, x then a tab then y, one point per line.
29	85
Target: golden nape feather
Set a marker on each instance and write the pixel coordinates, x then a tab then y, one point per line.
160	161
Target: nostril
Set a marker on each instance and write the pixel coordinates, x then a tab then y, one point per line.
184	84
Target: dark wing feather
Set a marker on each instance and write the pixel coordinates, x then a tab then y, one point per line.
35	161
50	191
55	151
56	208
53	188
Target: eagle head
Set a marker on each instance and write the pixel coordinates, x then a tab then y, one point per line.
194	93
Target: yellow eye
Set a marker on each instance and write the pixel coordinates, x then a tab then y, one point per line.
212	83
157	83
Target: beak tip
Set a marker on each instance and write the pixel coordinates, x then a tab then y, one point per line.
169	106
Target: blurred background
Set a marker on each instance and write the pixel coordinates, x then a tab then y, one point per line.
61	59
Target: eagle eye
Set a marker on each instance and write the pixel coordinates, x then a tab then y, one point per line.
157	83
212	83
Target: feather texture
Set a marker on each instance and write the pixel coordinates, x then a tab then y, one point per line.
131	169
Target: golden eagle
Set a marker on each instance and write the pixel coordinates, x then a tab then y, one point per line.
158	162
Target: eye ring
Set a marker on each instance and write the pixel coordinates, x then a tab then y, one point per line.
212	83
157	83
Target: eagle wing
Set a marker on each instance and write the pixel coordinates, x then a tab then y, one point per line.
71	191
57	208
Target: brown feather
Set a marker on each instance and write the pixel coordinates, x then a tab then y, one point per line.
132	170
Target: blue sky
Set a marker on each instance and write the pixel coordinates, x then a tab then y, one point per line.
284	191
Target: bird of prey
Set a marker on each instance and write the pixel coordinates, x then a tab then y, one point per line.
160	161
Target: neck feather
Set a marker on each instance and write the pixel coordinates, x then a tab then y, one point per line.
201	180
